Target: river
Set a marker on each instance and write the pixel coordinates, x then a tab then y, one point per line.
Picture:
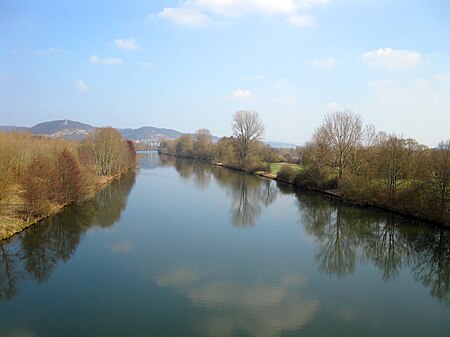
182	248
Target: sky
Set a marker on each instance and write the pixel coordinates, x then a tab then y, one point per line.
190	64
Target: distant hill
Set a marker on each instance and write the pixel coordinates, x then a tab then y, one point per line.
66	129
278	145
73	130
7	128
149	133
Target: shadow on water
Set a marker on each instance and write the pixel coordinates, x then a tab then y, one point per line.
35	252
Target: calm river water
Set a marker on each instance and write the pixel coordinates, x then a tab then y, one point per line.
186	249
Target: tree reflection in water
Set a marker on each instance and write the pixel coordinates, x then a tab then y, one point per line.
346	234
249	194
432	262
327	221
35	252
9	275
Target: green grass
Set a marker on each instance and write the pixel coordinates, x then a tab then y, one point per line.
276	167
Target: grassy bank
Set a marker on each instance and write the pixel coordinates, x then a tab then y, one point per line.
294	169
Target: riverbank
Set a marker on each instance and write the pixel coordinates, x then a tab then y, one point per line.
42	175
335	193
13	223
273	176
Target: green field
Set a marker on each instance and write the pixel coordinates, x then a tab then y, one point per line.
276	167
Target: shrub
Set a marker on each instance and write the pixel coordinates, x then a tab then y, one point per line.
357	189
312	178
71	183
254	166
286	174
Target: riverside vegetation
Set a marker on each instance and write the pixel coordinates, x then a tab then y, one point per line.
343	157
40	175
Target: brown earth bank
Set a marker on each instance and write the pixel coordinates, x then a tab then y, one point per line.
12	221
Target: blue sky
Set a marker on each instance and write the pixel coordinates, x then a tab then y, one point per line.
191	64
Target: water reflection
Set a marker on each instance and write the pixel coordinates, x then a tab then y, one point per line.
346	234
35	252
148	160
256	309
249	194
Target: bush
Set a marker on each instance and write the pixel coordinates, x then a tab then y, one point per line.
255	166
286	174
70	184
314	179
357	189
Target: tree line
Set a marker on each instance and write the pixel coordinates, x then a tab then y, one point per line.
343	156
40	174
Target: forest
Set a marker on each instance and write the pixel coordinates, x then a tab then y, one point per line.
40	175
343	157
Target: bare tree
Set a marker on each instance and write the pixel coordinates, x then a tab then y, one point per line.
269	156
247	129
393	158
440	171
37	183
184	146
111	152
203	144
341	132
70	184
224	150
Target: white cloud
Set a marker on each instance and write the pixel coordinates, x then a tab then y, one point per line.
327	62
109	60
302	20
241	93
442	77
421	82
80	85
197	12
125	43
333	106
241	7
185	16
391	58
